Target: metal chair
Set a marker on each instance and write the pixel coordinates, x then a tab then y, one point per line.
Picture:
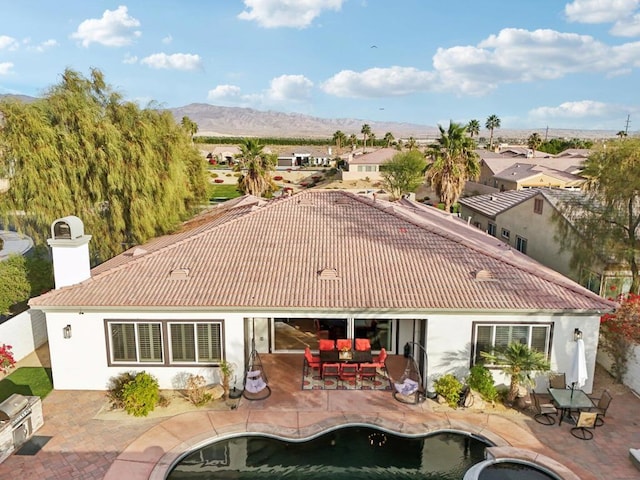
557	380
349	373
310	362
363	344
543	411
585	425
330	370
368	370
326	344
601	407
343	344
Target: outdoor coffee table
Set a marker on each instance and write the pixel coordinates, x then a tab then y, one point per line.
567	399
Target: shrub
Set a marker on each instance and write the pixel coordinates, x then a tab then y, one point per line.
6	358
481	380
196	390
214	175
141	395
449	387
115	387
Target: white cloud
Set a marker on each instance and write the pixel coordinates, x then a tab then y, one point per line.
44	46
579	109
225	93
8	43
5	68
599	11
379	82
115	29
167	40
130	59
629	27
176	61
286	13
290	88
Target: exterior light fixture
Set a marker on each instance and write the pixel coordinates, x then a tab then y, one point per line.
577	335
66	331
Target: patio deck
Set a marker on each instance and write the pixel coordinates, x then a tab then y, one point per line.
83	445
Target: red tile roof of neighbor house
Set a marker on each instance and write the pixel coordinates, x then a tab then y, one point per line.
329	250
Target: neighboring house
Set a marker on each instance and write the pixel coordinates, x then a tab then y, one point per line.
286	270
367	165
516	168
224	154
524	220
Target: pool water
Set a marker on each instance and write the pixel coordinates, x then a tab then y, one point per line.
347	453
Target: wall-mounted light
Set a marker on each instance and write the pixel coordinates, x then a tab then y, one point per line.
66	331
577	335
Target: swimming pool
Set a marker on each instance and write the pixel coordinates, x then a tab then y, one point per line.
351	452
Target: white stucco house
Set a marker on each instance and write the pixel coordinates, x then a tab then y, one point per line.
284	270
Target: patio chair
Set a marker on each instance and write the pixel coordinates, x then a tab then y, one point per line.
381	359
602	405
326	344
585	425
368	370
349	372
543	411
363	344
557	380
330	370
256	385
409	388
310	362
344	344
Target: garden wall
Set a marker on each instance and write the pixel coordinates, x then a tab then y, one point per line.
632	377
25	332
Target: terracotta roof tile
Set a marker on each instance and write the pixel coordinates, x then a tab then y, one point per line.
401	256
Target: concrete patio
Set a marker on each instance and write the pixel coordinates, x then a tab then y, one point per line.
87	445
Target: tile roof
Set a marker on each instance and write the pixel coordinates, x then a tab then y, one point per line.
493	204
374	158
523	171
401	257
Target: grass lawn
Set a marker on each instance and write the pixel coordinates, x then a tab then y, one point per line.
27	381
223	191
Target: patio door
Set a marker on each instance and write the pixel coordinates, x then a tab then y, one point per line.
378	331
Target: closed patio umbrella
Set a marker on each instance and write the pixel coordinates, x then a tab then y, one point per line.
578	375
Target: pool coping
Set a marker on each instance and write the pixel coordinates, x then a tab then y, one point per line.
153	454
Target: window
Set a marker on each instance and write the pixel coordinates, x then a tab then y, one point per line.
591	280
505	233
142	342
488	337
537	206
492	229
521	244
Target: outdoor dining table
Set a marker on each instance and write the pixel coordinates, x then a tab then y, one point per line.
357	356
567	399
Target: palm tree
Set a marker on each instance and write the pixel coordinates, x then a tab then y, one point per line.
519	362
372	139
534	141
256	166
388	139
453	162
340	139
353	140
492	123
365	131
189	126
473	127
411	143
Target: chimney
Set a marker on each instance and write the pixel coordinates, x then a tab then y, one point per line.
70	251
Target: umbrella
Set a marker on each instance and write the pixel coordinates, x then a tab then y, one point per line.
578	375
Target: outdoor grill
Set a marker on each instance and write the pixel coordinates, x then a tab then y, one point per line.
20	417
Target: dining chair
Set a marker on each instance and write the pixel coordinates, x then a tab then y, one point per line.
310	362
585	425
343	344
557	380
368	370
330	370
381	359
543	411
326	344
349	372
602	405
363	344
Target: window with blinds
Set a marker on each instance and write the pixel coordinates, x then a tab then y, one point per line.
136	342
196	342
488	337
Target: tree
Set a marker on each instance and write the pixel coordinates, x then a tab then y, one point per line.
388	139
453	162
14	287
604	223
365	131
189	126
372	139
403	173
473	127
534	141
411	143
492	123
257	167
621	134
339	138
519	362
619	333
353	141
130	174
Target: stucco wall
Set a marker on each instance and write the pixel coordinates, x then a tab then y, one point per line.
24	332
632	377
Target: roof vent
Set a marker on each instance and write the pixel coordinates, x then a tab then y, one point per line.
328	274
179	274
306	201
138	252
342	201
484	275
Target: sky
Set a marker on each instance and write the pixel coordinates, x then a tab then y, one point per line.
533	63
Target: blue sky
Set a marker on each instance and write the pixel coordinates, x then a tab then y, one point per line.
534	63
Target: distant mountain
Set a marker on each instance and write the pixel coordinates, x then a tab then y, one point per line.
219	121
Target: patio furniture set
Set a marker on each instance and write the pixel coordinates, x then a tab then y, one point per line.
565	400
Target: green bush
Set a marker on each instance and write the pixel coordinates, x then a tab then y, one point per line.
449	387
116	386
214	175
481	380
141	395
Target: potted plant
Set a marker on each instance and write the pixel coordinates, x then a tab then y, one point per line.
226	369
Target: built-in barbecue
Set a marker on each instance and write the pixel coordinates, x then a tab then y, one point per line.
20	417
